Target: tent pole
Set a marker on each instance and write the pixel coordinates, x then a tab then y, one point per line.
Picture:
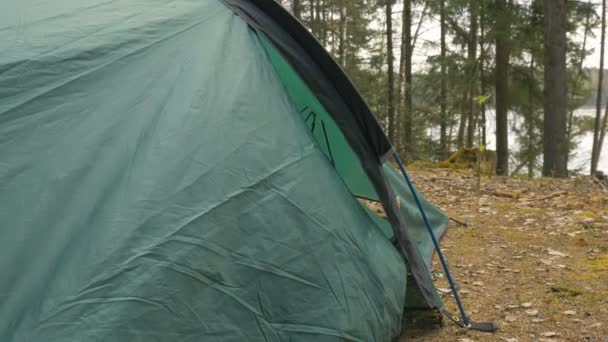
444	263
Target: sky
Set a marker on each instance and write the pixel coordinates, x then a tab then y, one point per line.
593	61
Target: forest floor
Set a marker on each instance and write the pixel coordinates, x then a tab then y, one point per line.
533	259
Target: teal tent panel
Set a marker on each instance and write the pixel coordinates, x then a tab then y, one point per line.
157	183
412	216
381	222
417	230
329	137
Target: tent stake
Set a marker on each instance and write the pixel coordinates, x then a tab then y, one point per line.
444	263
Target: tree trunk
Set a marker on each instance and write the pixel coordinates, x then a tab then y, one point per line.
472	66
482	76
391	73
342	34
400	84
530	151
325	24
502	84
296	8
595	154
443	141
556	89
463	121
313	24
407	108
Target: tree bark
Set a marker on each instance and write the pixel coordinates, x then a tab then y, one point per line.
391	73
472	66
463	120
408	110
296	8
342	33
556	89
400	83
443	139
482	76
325	24
313	18
530	155
597	144
502	87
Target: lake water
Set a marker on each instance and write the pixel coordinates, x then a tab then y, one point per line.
582	154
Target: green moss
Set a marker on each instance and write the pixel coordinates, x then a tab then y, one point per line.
599	264
586	215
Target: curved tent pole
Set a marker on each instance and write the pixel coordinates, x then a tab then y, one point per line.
444	263
465	323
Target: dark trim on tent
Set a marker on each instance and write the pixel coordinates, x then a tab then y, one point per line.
344	103
318	69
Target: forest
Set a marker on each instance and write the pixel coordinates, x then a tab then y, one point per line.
522	77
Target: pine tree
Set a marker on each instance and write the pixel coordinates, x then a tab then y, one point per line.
444	144
556	92
502	86
598	137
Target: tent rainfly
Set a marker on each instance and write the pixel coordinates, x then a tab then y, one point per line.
193	170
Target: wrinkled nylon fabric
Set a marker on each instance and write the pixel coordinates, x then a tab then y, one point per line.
412	216
157	183
325	131
417	231
334	145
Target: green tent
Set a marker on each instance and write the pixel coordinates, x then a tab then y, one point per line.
192	170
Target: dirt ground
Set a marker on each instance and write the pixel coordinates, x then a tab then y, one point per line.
533	258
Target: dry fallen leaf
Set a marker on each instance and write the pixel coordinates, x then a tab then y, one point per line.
556	253
509	339
532	312
526	305
549	334
546	262
510	318
570	313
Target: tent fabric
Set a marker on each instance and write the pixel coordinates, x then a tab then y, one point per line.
411	214
319	70
321	124
149	192
333	89
161	179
